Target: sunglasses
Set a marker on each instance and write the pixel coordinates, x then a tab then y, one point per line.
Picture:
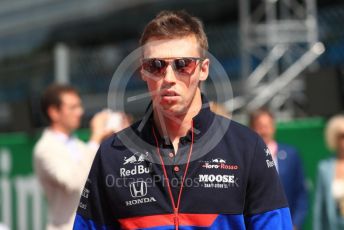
184	66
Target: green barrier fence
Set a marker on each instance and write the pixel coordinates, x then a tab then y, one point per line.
22	205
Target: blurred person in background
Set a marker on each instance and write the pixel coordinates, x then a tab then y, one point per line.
61	160
288	165
329	194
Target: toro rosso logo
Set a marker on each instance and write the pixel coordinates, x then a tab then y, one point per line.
219	163
219	160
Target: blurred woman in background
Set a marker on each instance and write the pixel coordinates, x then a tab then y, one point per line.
329	196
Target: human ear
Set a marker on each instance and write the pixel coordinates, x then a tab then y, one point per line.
143	77
53	113
204	70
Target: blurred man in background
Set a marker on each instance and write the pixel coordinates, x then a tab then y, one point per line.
288	165
61	160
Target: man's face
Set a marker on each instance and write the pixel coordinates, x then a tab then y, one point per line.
68	115
173	93
264	125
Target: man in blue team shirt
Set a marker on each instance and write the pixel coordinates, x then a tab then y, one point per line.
172	169
288	165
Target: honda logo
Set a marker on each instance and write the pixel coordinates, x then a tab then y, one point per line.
138	189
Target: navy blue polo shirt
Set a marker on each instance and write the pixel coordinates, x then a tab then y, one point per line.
228	180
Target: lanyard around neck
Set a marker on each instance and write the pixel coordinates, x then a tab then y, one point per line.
175	206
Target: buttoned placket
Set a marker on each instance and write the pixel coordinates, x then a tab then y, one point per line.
175	162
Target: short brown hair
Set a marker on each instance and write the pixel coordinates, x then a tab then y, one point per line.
174	24
52	97
256	113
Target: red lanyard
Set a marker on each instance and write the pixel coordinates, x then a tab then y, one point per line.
175	207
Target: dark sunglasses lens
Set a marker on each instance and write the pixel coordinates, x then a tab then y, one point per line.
185	65
154	66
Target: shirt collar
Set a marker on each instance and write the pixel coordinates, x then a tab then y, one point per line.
201	123
60	135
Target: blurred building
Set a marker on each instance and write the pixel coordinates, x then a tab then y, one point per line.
82	43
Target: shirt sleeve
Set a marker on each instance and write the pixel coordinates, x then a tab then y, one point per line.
51	164
265	205
93	211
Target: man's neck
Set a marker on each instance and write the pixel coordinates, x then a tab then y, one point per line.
175	127
60	129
